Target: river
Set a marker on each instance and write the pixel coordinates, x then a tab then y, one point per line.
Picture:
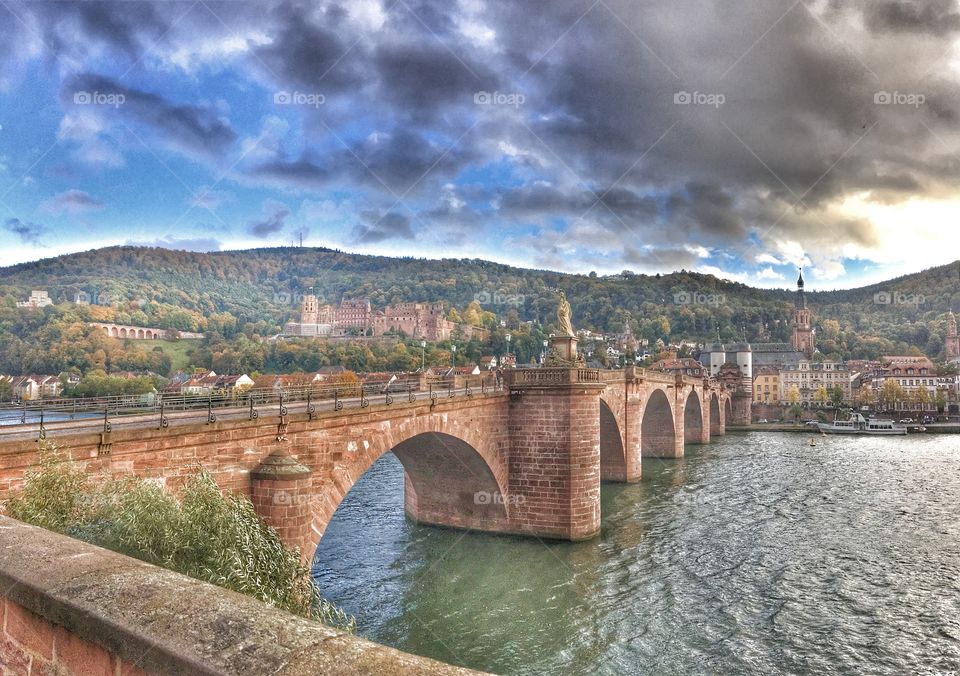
754	554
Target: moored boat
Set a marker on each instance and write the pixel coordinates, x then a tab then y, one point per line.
857	424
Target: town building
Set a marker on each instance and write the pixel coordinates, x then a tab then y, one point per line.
38	298
683	366
912	374
808	378
33	387
766	385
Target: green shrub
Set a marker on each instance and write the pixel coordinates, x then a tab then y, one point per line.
200	533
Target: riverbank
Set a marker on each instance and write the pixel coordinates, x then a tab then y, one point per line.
931	428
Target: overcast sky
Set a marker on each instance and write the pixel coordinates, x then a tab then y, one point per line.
739	138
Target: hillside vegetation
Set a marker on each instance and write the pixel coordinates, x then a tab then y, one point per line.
239	297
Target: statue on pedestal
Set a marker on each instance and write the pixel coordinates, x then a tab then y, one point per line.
563	316
563	347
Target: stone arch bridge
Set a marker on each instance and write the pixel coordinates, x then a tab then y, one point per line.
127	332
527	459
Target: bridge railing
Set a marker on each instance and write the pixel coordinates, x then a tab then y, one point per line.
551	376
42	411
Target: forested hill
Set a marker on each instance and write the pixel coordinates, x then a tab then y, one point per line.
184	290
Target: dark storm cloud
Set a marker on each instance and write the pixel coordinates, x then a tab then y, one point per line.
938	17
600	136
708	208
72	202
663	258
377	228
392	163
422	77
404	158
29	233
542	198
192	129
304	172
272	223
311	52
74	29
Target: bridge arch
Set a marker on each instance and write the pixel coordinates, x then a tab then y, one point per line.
113	332
453	476
613	457
693	419
657	429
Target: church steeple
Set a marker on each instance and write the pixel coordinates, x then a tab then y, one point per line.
802	338
801	298
952	342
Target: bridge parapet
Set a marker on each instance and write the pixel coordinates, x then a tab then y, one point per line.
73	608
552	377
634	374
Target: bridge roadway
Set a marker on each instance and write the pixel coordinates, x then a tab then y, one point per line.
200	415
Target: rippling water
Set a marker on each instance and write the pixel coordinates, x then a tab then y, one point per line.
754	554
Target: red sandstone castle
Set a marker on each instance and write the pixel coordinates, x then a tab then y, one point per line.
357	317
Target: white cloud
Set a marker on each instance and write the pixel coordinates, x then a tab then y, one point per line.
190	56
828	270
793	253
698	251
769	273
768	259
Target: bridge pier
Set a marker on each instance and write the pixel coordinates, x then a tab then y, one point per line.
554	429
742	404
280	490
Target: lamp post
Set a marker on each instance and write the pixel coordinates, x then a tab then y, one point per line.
543	354
423	355
453	355
508	337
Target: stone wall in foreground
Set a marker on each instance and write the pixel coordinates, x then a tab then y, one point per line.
71	608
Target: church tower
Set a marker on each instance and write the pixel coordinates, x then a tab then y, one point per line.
802	338
953	341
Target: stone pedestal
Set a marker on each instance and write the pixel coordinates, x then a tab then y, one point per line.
281	494
563	351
